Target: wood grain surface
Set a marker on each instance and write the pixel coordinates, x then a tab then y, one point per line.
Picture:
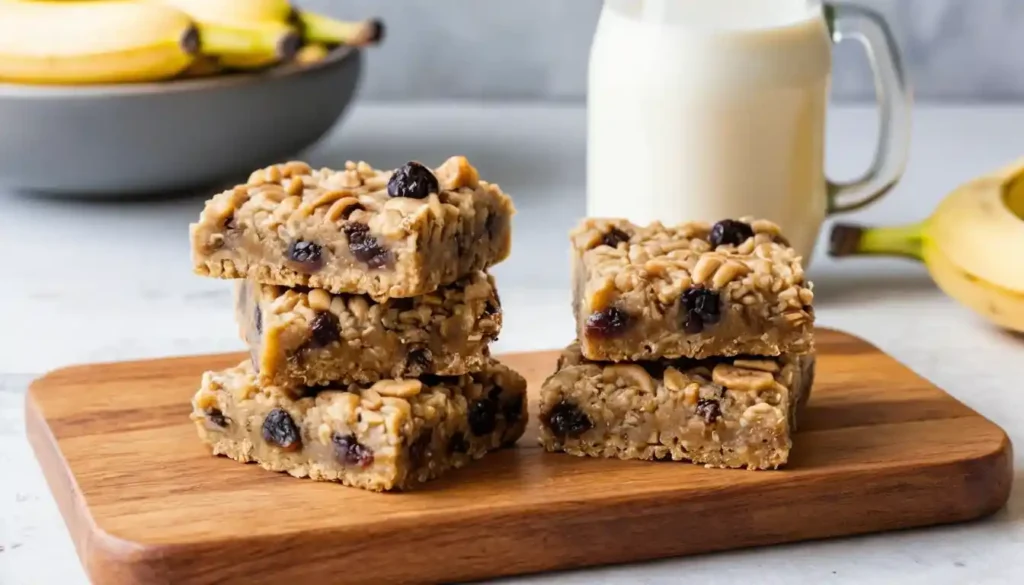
879	449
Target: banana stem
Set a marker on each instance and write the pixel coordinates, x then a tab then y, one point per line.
317	28
855	240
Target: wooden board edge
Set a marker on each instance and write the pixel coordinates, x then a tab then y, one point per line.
991	475
55	470
572	537
105	558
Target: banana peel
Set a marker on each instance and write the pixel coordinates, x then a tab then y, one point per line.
971	245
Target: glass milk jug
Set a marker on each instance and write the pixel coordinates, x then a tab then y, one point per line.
715	109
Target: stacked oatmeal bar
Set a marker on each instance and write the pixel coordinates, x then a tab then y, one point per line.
694	343
364	299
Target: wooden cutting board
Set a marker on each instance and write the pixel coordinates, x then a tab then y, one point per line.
879	449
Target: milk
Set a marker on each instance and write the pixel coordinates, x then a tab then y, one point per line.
710	109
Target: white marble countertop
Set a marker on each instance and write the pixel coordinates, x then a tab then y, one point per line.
103	281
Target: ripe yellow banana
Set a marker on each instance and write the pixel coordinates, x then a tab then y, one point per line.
971	245
114	41
278	15
268	18
97	42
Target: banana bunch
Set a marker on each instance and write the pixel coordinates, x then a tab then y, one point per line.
971	244
125	41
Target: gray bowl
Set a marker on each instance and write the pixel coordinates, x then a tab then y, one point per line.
163	137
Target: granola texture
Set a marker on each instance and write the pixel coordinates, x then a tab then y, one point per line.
690	290
730	412
359	230
392	435
309	337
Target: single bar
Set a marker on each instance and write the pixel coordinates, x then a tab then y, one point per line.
309	337
691	290
392	435
386	234
720	412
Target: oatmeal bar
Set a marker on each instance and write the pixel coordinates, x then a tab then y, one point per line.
720	412
691	290
392	435
309	337
386	234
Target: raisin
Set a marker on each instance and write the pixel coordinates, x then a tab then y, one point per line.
324	330
350	451
458	444
709	410
257	319
513	410
279	429
610	322
494	393
567	420
418	361
217	417
730	232
420	448
700	307
307	255
365	247
483	416
614	237
414	181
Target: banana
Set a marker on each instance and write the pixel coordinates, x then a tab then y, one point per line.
316	28
116	41
282	16
268	19
272	16
109	41
971	245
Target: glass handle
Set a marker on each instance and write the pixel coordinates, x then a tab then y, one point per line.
894	101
